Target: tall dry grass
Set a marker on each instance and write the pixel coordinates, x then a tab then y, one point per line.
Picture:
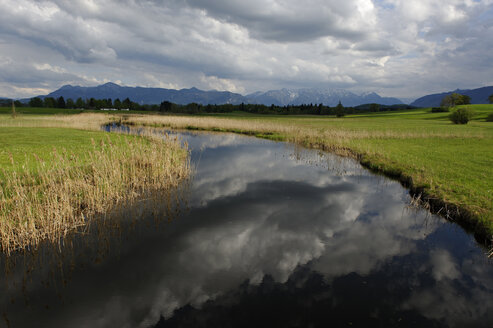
84	121
298	134
294	129
62	195
339	140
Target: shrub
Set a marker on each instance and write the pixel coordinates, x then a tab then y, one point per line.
461	115
440	110
489	118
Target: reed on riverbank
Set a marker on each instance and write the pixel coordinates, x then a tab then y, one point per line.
46	196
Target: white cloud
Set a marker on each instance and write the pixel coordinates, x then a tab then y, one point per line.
443	265
215	83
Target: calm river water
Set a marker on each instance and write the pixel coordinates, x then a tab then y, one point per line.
266	234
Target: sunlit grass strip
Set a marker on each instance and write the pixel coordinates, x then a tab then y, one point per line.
48	199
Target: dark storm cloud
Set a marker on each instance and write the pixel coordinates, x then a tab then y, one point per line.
285	21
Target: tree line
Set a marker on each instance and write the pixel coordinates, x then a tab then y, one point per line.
91	103
304	109
309	109
195	108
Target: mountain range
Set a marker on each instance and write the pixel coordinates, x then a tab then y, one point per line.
330	97
478	96
283	97
148	95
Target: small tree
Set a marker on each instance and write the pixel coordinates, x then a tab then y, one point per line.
447	101
339	110
35	102
165	106
455	99
49	102
91	103
80	103
126	103
490	98
70	103
374	107
464	100
60	102
461	115
117	103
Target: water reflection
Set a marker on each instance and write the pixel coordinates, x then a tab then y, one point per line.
276	236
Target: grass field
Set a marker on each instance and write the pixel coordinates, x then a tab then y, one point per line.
58	171
450	164
21	145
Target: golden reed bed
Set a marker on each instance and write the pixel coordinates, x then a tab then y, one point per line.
61	195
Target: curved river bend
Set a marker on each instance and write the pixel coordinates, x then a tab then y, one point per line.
269	235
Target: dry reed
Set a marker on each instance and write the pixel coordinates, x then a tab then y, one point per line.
61	195
14	113
293	129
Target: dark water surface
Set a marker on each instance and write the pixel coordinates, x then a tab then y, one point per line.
266	235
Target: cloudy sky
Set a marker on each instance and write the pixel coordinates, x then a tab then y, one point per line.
398	48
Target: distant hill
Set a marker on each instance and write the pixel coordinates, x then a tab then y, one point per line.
283	97
148	95
329	97
478	96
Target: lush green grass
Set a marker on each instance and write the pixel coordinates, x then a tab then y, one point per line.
449	162
22	145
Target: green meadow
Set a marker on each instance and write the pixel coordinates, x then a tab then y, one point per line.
21	146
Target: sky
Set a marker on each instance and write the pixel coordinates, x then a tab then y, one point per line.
397	48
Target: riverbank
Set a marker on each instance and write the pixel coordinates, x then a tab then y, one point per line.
449	166
57	172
